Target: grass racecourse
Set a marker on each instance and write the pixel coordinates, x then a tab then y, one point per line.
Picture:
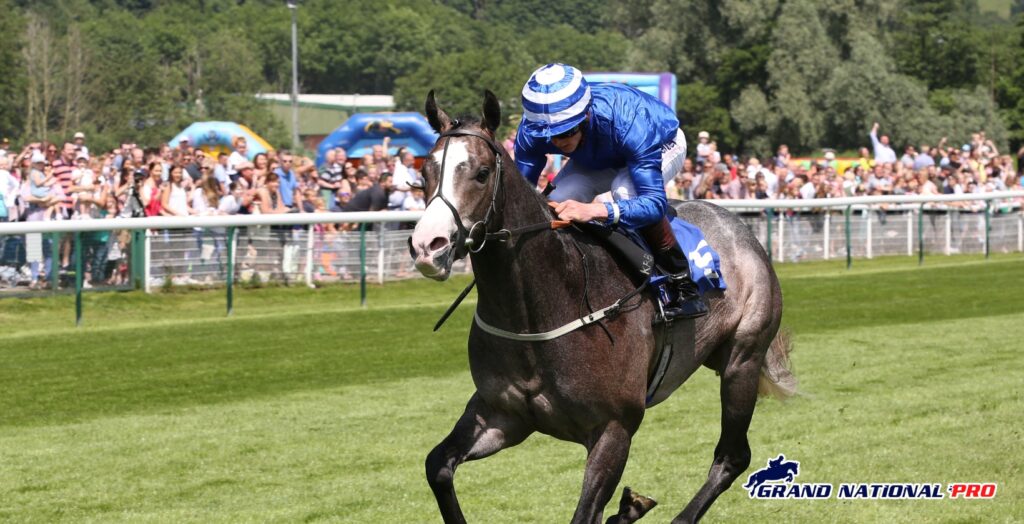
303	407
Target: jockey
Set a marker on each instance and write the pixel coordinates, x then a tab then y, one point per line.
620	140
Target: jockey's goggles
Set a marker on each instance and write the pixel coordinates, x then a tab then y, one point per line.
571	132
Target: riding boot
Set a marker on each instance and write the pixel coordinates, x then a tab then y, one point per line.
669	256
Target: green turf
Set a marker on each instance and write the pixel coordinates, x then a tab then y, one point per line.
303	407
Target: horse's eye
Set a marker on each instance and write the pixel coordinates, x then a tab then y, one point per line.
482	174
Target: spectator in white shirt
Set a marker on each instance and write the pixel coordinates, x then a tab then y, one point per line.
883	153
405	171
239	155
703	147
415	200
220	170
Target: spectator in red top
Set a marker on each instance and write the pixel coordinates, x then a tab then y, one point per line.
62	169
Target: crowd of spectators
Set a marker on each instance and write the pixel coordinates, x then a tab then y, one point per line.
975	167
46	181
50	181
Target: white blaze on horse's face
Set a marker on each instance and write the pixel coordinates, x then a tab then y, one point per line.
431	240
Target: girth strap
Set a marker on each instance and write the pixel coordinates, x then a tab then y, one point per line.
596	316
609	311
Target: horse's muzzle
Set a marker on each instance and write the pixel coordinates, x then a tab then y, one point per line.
435	260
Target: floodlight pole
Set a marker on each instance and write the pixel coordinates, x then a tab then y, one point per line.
293	7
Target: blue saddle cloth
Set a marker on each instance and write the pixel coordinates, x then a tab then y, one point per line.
705	265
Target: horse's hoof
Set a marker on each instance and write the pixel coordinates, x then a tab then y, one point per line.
632	506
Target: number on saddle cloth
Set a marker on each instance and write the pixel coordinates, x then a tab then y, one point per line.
705	264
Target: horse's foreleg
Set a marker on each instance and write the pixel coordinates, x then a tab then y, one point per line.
606	458
732	454
479	433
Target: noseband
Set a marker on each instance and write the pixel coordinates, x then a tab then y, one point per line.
474	238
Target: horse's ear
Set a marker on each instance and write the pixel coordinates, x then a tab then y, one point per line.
439	120
492	111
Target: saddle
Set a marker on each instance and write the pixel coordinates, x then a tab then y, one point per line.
641	262
638	259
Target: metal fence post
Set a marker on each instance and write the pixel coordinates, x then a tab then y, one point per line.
949	232
78	278
869	244
910	233
828	227
988	210
55	259
362	265
380	255
309	255
231	271
782	238
137	259
920	235
849	252
147	253
768	243
1020	230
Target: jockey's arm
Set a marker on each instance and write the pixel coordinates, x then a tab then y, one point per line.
530	157
644	146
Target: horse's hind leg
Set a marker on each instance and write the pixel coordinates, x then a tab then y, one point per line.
732	454
480	432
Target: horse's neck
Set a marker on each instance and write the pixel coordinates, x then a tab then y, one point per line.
531	275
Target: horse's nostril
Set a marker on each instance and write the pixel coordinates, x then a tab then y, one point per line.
438	243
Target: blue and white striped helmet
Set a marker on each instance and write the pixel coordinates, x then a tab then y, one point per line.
555	100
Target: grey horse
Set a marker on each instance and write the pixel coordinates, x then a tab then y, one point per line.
590	385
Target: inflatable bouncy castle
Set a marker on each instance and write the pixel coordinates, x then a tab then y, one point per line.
659	85
216	137
362	131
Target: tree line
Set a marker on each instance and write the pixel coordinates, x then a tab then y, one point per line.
754	73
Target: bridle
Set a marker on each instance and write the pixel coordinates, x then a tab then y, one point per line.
475	238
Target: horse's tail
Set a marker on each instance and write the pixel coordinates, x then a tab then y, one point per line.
777	380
